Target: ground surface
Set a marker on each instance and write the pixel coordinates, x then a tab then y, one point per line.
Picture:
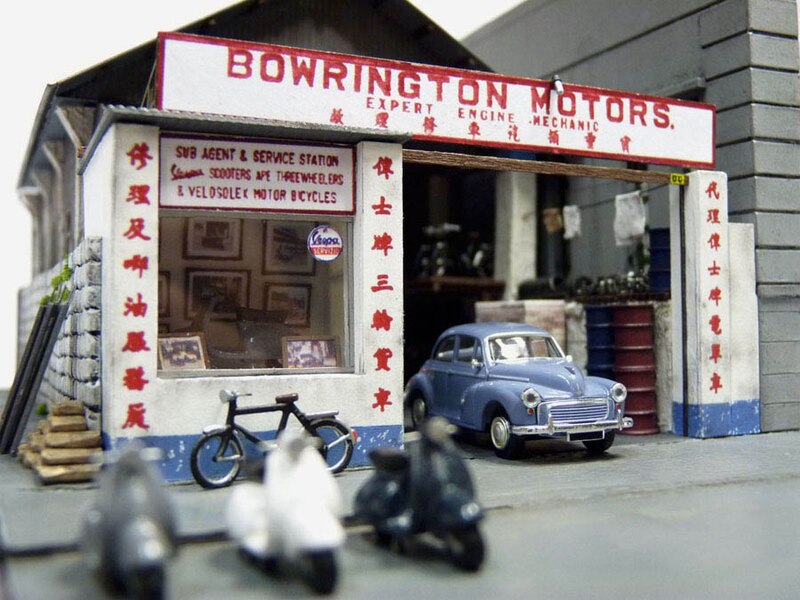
661	517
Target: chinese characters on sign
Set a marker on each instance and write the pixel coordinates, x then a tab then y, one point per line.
208	75
136	249
379	217
711	290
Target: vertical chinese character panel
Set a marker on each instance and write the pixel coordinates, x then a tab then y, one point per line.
708	303
379	280
130	288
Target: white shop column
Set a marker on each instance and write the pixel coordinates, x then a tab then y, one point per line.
515	230
711	277
378	301
121	202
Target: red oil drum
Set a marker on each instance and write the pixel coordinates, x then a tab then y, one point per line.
634	365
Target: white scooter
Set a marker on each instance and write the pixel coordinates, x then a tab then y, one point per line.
292	519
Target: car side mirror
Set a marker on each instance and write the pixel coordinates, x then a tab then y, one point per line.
569	358
476	364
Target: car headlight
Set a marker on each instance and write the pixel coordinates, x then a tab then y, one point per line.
619	392
530	398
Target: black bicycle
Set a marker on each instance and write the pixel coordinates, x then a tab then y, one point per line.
218	454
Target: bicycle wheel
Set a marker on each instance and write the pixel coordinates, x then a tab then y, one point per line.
216	461
337	439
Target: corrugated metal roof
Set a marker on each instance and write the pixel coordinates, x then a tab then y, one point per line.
349	26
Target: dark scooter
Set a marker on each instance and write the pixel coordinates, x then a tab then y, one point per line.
424	490
129	532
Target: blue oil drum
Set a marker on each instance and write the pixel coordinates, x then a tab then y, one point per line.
599	340
659	276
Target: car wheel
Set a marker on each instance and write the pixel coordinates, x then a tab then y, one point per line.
596	447
419	411
506	444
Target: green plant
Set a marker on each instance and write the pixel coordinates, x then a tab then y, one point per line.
60	286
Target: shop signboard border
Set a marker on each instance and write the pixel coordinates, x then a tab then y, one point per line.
201	76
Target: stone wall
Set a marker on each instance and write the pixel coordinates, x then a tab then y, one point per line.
73	372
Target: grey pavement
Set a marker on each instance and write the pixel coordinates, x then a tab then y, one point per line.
657	517
36	518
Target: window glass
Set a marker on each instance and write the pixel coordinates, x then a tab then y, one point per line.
523	347
466	349
444	351
253	291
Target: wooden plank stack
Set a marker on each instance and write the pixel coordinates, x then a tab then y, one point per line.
62	449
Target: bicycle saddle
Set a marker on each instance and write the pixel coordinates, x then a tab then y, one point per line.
286	398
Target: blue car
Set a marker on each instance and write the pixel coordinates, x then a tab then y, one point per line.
514	382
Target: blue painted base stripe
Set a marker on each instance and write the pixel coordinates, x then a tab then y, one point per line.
178	448
742	417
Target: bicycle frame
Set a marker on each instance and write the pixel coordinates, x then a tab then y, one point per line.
286	410
325	427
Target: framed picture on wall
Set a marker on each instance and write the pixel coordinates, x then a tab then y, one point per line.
308	352
295	299
220	292
215	239
163	293
182	352
286	248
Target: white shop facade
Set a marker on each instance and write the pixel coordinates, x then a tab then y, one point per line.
264	264
252	234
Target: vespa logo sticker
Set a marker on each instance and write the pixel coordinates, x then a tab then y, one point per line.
325	243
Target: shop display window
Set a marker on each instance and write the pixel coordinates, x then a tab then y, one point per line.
252	291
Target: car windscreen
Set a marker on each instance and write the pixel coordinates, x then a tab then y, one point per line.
522	347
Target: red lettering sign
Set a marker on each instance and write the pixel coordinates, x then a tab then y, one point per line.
384	166
136	230
381	320
383	207
382	284
715	323
137	262
382	399
136	342
382	243
382	356
450	105
135	308
138	194
139	155
716	353
716	383
134	379
135	416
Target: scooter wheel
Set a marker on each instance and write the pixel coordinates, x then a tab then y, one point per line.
215	463
466	548
147	583
322	572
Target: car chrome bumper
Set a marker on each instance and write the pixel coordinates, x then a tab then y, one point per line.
552	428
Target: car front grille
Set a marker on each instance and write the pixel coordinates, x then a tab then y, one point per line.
578	412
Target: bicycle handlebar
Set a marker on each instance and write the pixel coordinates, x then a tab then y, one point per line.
231	395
